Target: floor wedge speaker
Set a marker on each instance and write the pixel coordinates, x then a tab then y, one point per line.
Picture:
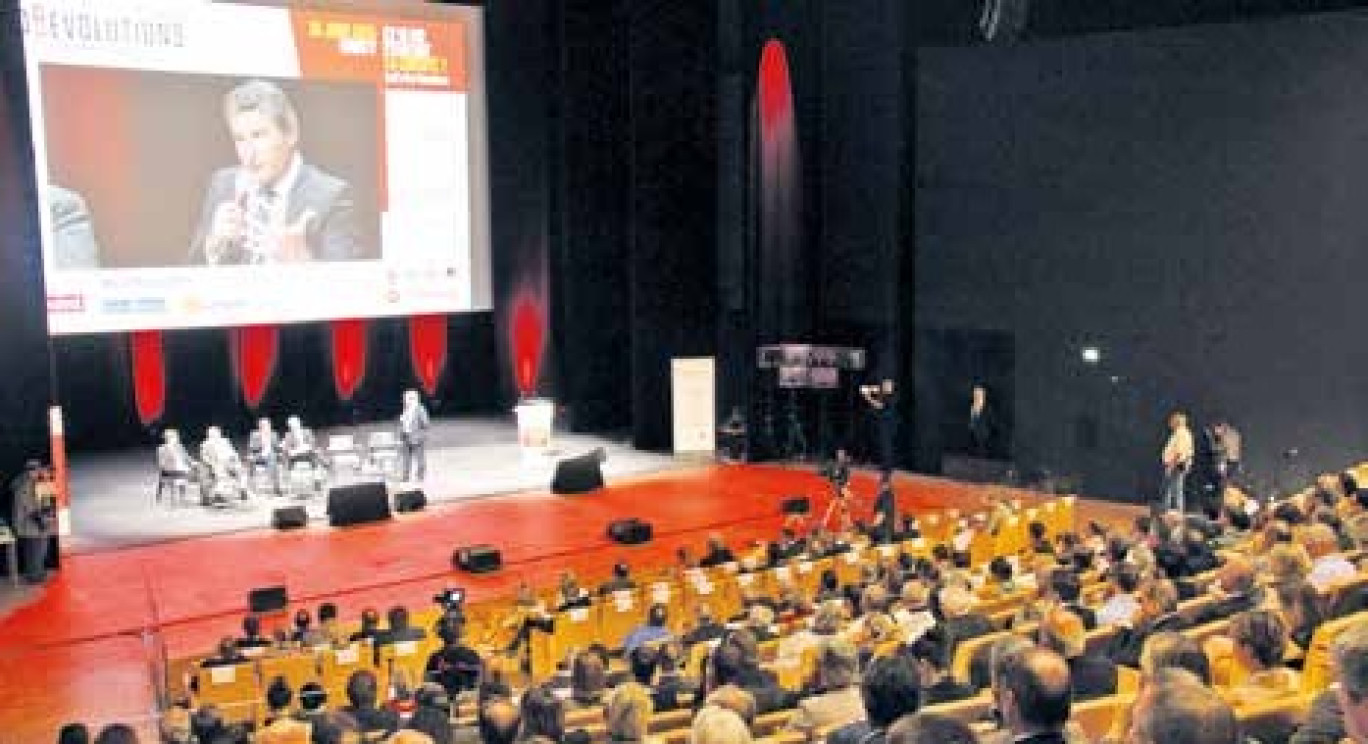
289	518
630	531
580	474
358	504
477	558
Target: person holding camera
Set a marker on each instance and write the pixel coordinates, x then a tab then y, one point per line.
34	519
883	404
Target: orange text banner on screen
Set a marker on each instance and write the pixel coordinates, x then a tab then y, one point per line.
406	54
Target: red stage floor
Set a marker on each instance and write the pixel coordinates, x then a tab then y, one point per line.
81	651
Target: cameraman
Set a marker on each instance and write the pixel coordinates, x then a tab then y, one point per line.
35	517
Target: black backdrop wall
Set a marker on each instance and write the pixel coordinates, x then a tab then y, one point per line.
1184	199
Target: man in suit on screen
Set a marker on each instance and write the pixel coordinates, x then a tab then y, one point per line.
272	207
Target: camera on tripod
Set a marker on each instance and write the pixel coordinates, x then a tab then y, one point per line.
450	599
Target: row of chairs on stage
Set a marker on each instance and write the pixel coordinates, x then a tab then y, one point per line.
288	465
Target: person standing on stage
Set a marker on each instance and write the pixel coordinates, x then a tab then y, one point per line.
980	422
264	448
1226	451
413	426
1177	461
35	517
883	401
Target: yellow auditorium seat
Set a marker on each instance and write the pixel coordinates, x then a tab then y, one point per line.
234	689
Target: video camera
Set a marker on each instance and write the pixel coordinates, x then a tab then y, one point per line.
450	599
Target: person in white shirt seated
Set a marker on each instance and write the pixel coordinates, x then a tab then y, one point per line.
175	468
1328	565
221	463
1121	606
298	444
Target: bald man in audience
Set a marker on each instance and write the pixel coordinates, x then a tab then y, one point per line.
1034	695
1237	586
1176	708
498	722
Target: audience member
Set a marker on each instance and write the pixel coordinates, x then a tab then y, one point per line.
1328	565
620	581
654	631
363	698
1093	675
398	630
498	721
626	713
588	680
930	728
736	661
370	626
1350	654
455	666
890	688
1068	589
227	654
717	725
117	733
74	733
1260	640
543	714
959	619
1158	611
1033	694
1300	606
937	684
1237	590
282	727
252	641
1176	708
671	684
1121	606
836	701
718	553
706	627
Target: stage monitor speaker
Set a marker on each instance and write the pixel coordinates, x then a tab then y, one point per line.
410	501
358	504
267	599
477	559
796	505
289	518
580	474
630	531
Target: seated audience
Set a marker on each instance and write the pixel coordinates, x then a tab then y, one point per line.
824	625
621	580
706	628
398	630
736	661
1349	653
117	733
1040	538
304	633
718	553
1236	588
1158	612
1068	589
1300	606
1176	708
370	626
542	714
498	721
281	724
890	689
1001	580
588	680
1328	565
227	654
363	697
760	622
1032	692
654	631
627	713
930	728
1286	563
937	684
252	641
1121	606
959	619
671	685
836	701
1093	675
912	610
1165	650
1260	640
717	725
572	595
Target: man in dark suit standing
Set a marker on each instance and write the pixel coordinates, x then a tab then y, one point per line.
35	517
413	426
272	207
980	422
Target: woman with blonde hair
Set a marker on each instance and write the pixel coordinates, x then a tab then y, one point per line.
627	712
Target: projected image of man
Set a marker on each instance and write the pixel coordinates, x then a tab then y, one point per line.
272	207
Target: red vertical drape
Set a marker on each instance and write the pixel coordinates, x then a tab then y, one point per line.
428	349
149	374
349	356
254	359
527	331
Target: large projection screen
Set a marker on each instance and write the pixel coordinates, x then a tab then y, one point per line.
228	163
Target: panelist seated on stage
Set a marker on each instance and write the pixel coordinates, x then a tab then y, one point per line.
298	444
173	461
218	454
264	444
